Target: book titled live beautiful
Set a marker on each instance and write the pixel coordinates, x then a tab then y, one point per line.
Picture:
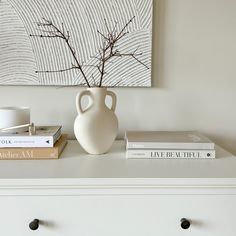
169	154
34	153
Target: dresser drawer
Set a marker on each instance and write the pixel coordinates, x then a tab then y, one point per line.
211	215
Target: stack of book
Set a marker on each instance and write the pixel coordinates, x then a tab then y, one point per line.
47	143
165	144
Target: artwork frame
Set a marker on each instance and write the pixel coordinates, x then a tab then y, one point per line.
29	54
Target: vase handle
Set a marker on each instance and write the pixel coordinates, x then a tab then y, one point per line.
113	96
78	101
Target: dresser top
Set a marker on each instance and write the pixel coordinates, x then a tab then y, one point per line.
76	164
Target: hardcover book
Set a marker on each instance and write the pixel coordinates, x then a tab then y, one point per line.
45	136
169	154
34	153
167	140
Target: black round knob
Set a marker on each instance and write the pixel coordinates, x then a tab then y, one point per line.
33	225
185	224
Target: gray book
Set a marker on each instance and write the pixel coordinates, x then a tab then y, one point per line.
167	140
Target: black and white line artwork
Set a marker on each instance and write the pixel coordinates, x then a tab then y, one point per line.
21	55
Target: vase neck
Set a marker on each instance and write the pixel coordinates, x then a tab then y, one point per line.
98	96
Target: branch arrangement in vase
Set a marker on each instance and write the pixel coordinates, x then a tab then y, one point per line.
108	51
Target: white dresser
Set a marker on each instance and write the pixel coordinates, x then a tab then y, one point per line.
109	195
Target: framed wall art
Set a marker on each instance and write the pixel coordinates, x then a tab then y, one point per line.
21	56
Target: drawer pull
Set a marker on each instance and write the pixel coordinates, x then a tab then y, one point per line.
33	225
185	224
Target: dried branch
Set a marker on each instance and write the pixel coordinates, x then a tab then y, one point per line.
46	36
133	55
109	48
124	28
56	71
102	35
106	52
140	62
58	33
108	30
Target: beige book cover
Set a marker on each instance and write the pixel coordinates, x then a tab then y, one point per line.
167	140
34	153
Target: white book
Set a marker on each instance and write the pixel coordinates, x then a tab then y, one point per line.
170	154
167	140
46	136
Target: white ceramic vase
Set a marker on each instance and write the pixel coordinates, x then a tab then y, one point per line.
96	126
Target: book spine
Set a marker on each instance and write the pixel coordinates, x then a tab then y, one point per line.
180	146
170	154
28	153
26	141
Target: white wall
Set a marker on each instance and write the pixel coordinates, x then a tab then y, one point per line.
194	77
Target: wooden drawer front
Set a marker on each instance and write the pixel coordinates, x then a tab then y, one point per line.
119	215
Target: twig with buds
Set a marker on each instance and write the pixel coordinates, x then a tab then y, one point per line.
55	32
107	51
